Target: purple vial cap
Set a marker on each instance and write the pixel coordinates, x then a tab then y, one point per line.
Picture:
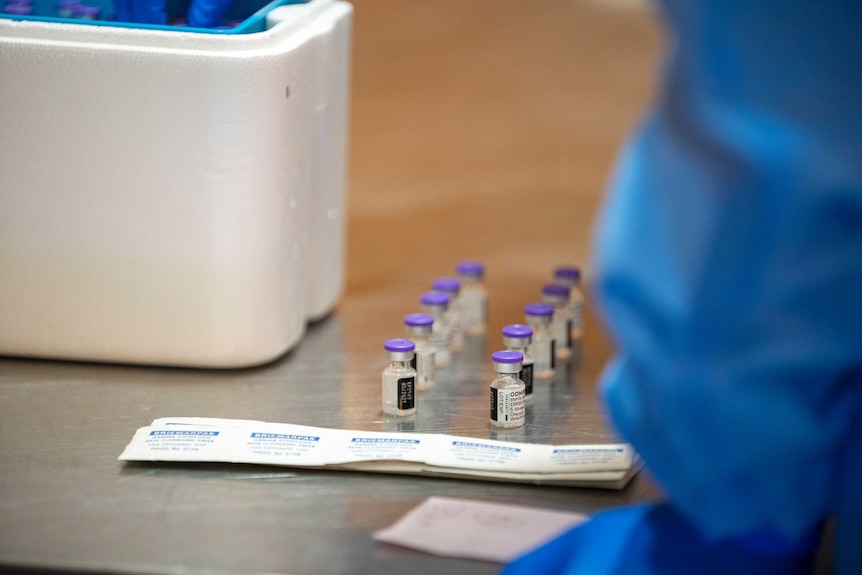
568	272
434	298
399	345
470	268
449	285
19	9
418	320
507	356
557	290
539	309
517	330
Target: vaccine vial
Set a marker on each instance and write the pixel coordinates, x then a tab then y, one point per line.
518	337
561	326
399	379
419	327
452	286
571	276
473	298
507	391
66	8
539	317
435	304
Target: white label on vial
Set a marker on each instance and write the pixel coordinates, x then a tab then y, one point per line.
560	328
577	315
473	309
406	396
543	352
425	368
507	405
441	336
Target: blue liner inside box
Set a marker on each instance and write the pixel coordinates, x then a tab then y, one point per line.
243	16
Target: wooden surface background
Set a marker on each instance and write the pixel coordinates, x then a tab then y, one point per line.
485	130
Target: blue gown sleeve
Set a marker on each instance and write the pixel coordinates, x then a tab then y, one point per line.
729	270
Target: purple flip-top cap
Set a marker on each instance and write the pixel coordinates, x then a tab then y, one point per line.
434	298
507	356
557	290
517	330
568	273
470	268
448	285
399	345
18	9
418	320
545	309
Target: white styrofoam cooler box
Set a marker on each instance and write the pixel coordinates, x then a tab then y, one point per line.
171	197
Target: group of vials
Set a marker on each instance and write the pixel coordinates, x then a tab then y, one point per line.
459	306
63	9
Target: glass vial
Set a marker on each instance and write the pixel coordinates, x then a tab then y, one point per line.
419	327
452	287
473	298
66	8
571	276
539	317
399	379
507	391
517	337
558	296
435	304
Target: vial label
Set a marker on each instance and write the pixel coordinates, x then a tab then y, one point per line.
543	353
425	368
507	405
414	363
473	309
569	324
553	354
526	376
406	396
578	315
562	331
441	337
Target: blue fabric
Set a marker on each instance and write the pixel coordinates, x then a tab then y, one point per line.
656	539
729	270
140	11
207	13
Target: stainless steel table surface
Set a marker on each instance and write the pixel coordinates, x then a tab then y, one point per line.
66	502
480	129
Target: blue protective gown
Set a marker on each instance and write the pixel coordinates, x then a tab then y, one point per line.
729	270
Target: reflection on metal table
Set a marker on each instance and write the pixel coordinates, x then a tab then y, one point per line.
66	502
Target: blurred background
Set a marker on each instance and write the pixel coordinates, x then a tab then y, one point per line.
485	130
